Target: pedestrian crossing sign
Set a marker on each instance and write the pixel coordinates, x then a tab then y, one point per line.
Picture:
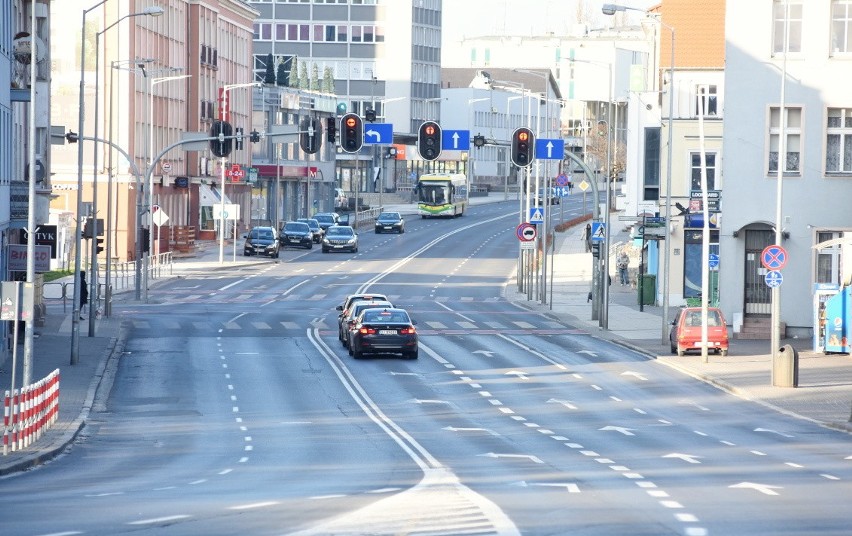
536	215
598	229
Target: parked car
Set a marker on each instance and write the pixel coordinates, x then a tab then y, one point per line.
340	238
383	331
316	230
685	334
391	222
297	234
327	219
345	322
261	241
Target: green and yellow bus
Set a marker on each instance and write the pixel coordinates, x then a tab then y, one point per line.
441	194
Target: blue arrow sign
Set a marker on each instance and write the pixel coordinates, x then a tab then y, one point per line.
550	149
773	278
378	133
536	215
455	140
561	191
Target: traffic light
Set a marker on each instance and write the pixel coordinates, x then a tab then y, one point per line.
523	142
146	239
310	138
370	115
221	147
330	129
238	145
254	137
352	133
99	245
478	140
429	140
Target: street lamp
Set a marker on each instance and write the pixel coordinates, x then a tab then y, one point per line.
225	90
610	9
150	186
75	316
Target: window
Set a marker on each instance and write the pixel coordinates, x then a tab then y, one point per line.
841	26
789	19
710	165
708	91
792	137
651	190
263	31
838	146
828	259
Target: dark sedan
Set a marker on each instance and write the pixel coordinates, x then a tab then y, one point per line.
383	331
297	234
390	222
261	241
315	228
346	321
340	238
327	219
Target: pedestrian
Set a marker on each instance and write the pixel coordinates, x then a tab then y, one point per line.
622	263
587	237
84	293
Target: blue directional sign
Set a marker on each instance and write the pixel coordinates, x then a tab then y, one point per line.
378	133
598	230
550	149
455	140
713	260
536	215
561	191
773	278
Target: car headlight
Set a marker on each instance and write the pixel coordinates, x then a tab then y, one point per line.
351	240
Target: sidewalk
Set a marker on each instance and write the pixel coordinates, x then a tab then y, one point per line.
824	394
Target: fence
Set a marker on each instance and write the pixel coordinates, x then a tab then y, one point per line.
29	411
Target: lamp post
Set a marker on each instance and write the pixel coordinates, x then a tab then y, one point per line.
610	9
150	186
225	90
75	316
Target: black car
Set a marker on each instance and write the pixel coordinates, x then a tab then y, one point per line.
346	321
385	330
297	234
261	241
315	228
327	219
340	238
390	222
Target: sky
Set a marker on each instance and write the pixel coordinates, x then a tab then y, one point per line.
470	18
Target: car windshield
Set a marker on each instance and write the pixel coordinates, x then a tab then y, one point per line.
394	317
296	227
324	218
340	231
263	234
312	223
389	216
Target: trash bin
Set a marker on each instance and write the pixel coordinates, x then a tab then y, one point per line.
785	367
647	287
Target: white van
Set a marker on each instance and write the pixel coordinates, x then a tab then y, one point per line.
340	199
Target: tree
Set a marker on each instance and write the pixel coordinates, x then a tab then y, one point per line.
303	76
328	80
314	77
281	77
294	72
269	76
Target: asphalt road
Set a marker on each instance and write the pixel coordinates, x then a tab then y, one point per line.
234	409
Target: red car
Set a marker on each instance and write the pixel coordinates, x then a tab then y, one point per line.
686	331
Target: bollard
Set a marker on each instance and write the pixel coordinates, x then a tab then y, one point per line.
785	368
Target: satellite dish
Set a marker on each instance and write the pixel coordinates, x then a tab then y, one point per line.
22	48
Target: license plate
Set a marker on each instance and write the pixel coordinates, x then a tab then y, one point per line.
294	240
388	227
387	332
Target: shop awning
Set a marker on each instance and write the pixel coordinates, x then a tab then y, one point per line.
210	196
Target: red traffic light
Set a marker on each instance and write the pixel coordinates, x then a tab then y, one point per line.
429	140
523	136
351	122
522	142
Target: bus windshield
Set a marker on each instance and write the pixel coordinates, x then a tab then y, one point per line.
435	194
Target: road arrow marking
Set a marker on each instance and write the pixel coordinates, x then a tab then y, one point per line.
619	429
635	374
569	487
486	353
691	458
591	353
392	373
521	375
767	430
527	456
766	489
565	403
419	401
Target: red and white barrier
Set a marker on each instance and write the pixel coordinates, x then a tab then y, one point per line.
28	412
